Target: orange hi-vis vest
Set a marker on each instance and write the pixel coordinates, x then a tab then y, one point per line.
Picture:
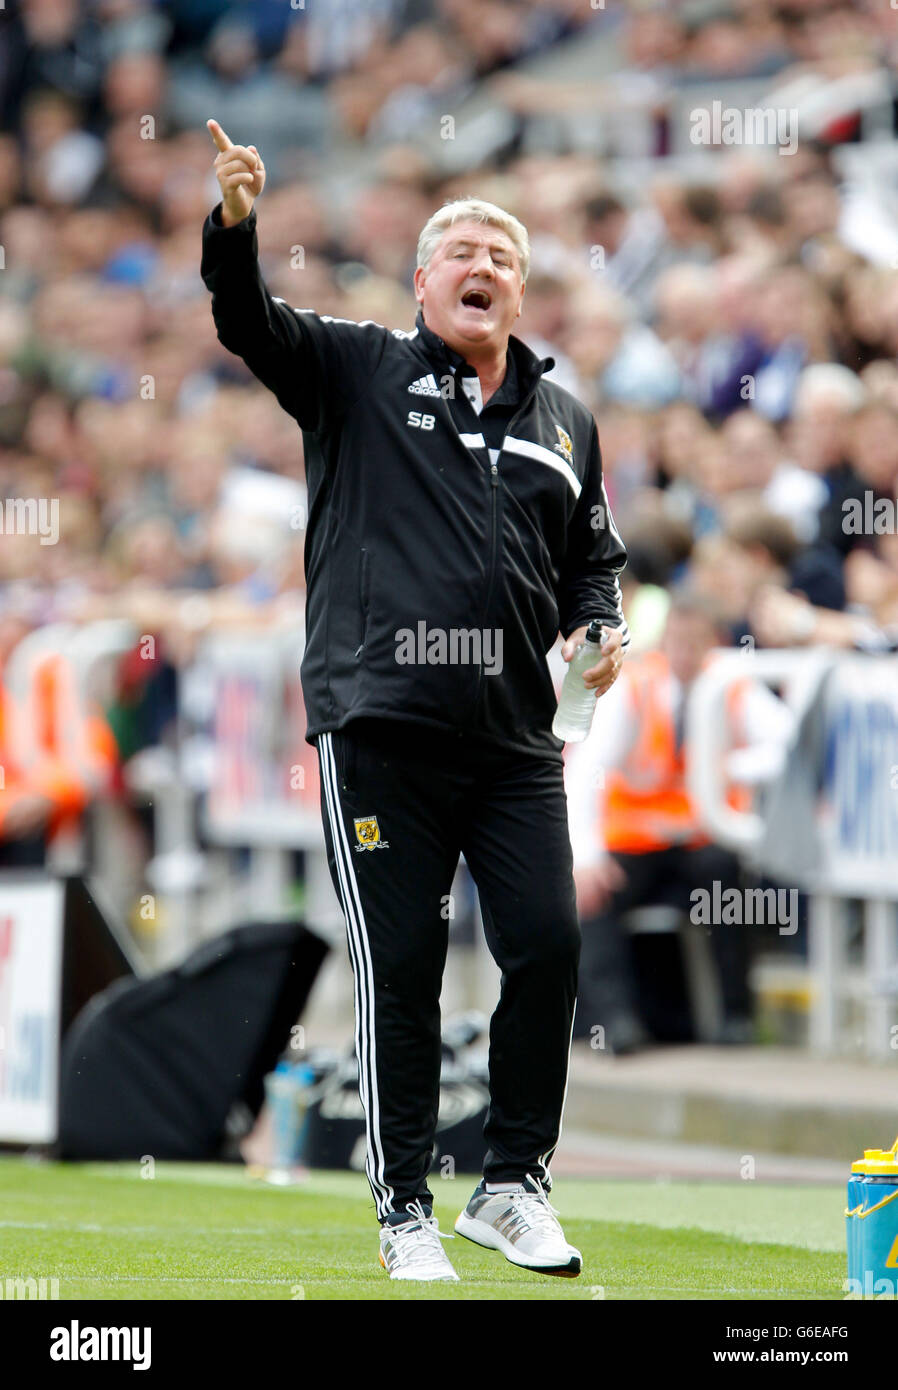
646	804
51	746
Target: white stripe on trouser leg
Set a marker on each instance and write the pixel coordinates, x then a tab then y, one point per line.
343	874
366	1046
546	1158
364	988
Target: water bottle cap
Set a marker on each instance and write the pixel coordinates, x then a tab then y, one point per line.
881	1161
594	631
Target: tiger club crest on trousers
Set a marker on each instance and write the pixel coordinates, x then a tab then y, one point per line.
367	833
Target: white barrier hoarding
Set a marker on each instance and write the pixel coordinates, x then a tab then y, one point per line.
857	807
828	823
242	699
31	935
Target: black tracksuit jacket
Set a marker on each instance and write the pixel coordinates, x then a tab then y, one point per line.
412	522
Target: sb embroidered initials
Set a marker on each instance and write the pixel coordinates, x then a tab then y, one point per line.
419	421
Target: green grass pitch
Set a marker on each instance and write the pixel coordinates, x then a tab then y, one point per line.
203	1231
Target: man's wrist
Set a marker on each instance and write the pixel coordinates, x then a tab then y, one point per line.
612	624
222	218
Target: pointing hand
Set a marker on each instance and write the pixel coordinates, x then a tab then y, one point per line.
241	175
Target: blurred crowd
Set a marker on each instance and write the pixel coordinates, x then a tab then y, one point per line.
735	330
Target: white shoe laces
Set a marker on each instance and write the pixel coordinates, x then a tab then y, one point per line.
536	1208
416	1241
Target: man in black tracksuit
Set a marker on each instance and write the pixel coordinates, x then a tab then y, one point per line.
457	522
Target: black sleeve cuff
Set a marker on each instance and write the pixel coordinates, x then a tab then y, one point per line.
246	225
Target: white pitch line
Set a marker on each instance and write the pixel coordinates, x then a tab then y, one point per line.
173	1279
66	1226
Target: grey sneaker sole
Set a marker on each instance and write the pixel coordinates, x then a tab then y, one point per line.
481	1233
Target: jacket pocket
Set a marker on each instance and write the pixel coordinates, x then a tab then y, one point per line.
345	749
364	596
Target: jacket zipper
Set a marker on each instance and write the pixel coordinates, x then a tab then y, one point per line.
490	577
491	573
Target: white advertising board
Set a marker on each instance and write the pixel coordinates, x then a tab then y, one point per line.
31	936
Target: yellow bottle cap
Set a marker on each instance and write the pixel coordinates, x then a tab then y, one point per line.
878	1161
882	1167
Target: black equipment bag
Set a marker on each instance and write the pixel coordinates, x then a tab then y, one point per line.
157	1066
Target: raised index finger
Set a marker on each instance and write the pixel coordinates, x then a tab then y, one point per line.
222	140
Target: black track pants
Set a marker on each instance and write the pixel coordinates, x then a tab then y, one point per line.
399	803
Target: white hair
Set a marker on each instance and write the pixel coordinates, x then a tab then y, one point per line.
473	210
829	383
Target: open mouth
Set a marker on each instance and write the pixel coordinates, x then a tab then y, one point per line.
476	299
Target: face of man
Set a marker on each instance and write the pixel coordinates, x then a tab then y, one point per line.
471	292
687	640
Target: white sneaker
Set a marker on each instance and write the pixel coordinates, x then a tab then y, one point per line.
523	1226
412	1250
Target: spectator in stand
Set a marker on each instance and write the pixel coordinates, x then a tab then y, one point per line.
54	754
636	833
772	552
791	320
756	462
617	358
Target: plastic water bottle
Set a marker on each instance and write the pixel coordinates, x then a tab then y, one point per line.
285	1089
876	1246
573	718
853	1227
